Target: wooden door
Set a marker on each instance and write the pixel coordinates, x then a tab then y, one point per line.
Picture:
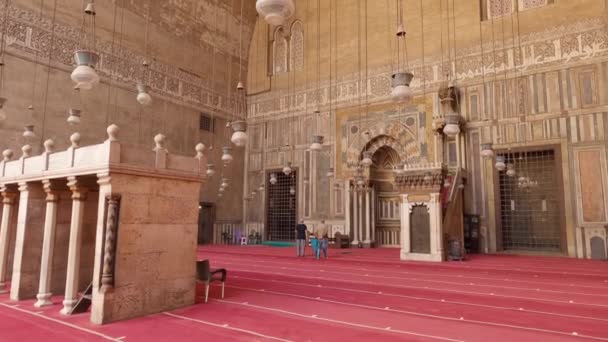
420	230
206	221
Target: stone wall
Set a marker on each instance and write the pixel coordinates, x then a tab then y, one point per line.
193	50
533	77
155	248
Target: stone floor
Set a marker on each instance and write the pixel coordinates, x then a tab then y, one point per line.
358	295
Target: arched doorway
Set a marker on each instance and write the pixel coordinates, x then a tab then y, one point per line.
386	197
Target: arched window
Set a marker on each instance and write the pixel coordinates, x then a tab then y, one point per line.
279	60
297	46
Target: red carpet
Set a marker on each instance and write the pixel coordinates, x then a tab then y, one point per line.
359	295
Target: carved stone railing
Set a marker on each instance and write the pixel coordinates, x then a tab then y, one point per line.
94	159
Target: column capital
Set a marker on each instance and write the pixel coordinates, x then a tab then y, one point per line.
8	195
23	186
79	191
103	178
51	188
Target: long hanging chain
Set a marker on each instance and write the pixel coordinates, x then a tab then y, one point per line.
108	102
48	73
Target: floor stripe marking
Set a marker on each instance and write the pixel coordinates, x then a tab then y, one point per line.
310	269
422	287
430	274
226	326
480	265
338	321
412	313
93	332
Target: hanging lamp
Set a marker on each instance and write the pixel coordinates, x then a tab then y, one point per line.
511	170
402	78
143	97
239	127
210	170
86	58
452	124
487	151
400	82
275	12
28	130
292	190
226	156
239	137
500	163
74	116
273	178
317	143
367	161
224	183
287	169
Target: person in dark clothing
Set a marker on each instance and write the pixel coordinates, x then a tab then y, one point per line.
301	238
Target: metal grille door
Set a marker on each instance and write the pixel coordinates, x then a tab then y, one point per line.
281	207
530	202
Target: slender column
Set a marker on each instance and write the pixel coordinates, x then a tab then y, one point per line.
436	231
48	244
360	206
355	217
79	194
20	241
8	203
368	226
373	237
405	225
107	275
347	207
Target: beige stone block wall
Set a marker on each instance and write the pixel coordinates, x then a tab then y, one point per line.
195	62
156	248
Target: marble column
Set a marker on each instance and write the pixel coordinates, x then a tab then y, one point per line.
20	240
48	244
79	195
348	227
360	205
368	225
405	225
8	203
436	226
356	236
373	203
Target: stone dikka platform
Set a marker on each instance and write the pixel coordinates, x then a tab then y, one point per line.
120	218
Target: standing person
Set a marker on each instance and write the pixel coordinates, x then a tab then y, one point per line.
301	238
321	235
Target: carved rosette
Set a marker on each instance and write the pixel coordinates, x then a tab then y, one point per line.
107	275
